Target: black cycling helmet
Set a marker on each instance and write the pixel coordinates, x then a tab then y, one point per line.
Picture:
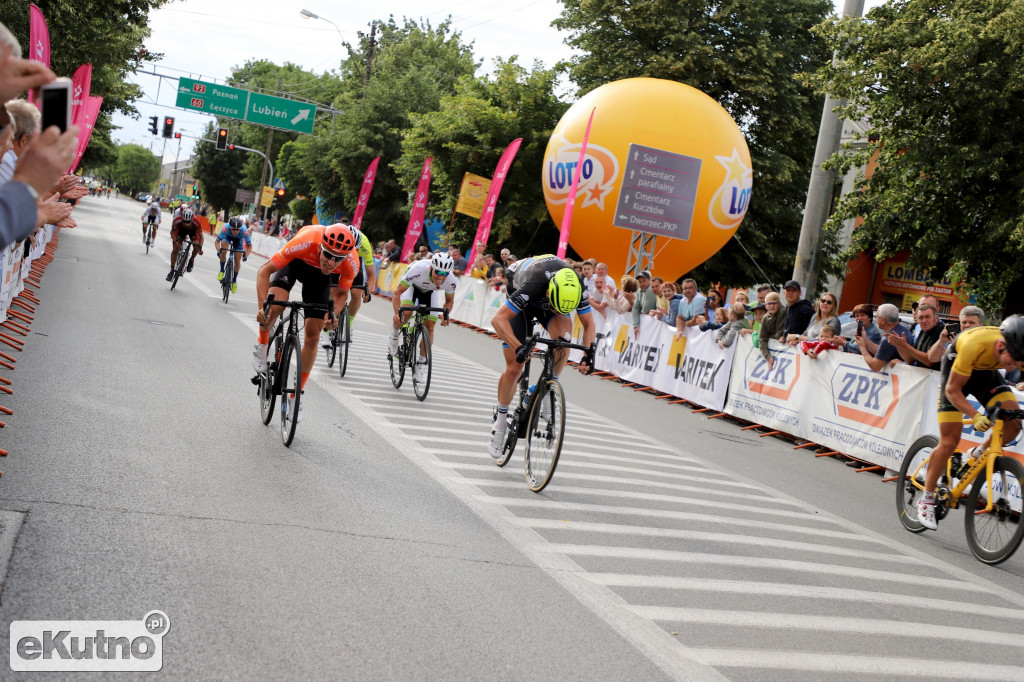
1012	330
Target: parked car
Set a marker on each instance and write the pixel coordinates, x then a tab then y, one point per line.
144	197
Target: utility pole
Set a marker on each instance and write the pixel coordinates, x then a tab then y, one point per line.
820	188
369	56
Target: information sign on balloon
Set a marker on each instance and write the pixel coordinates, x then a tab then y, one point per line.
662	158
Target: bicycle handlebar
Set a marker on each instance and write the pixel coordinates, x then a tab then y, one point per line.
560	343
423	308
300	305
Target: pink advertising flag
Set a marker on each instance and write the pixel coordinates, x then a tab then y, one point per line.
484	230
80	83
90	110
419	210
364	193
563	237
39	41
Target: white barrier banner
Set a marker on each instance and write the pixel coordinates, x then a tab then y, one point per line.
469	302
695	368
834	400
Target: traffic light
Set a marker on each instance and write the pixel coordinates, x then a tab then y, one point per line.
231	147
195	191
222	138
177	136
153	124
168	126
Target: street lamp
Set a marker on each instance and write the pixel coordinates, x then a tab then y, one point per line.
312	15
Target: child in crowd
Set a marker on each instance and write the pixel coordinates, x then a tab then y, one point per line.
726	334
825	342
758	310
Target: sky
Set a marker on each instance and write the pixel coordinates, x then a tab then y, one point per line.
204	39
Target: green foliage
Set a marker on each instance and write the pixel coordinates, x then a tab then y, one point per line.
219	172
136	168
302	209
745	54
108	34
941	85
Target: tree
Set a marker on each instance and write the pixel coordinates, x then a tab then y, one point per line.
746	55
219	172
136	168
940	84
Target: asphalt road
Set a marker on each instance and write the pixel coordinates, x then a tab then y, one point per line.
385	544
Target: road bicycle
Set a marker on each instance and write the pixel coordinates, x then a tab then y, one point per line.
283	375
989	488
414	349
340	338
229	271
150	235
179	265
539	415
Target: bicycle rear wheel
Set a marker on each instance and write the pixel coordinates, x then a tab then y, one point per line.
544	437
344	339
421	362
226	284
398	362
267	380
909	489
291	388
995	535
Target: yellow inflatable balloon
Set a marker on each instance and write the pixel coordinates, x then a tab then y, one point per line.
662	158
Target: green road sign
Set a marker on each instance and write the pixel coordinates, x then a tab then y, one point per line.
212	99
280	113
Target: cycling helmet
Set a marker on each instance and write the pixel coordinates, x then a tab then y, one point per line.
442	261
356	234
564	291
187	215
338	238
1012	330
235	223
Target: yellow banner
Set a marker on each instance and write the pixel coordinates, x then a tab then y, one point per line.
267	196
473	195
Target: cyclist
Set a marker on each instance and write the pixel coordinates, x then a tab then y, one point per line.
321	258
231	237
151	216
971	368
185	226
366	276
419	286
547	290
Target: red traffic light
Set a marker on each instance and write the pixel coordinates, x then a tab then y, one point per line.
222	138
280	193
177	136
231	147
168	121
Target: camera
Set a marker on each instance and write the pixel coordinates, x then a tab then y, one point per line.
55	104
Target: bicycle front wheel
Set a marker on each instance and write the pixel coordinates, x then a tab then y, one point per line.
995	534
267	380
333	338
544	436
397	362
291	388
149	238
910	482
344	339
226	284
179	265
421	362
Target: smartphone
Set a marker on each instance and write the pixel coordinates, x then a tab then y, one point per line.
55	104
860	327
953	328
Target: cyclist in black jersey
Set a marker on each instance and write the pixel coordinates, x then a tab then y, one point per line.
545	289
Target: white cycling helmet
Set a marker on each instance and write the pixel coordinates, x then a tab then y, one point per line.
442	261
356	234
187	215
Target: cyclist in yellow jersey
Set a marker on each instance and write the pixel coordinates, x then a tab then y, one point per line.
971	368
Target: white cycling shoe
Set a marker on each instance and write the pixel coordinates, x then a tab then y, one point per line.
259	357
496	443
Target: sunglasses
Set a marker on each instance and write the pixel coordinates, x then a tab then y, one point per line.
442	273
825	300
333	257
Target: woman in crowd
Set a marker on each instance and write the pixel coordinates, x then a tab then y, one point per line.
623	302
714	315
824	313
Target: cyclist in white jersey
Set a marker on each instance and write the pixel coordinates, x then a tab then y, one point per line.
151	215
421	284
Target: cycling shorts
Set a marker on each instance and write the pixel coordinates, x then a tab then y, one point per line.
316	286
522	322
414	296
151	220
987	386
189	231
237	243
360	279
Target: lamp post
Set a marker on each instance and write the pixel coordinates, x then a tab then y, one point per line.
312	15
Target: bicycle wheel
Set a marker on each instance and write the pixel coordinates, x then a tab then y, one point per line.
179	265
291	388
344	339
226	285
149	238
909	490
398	362
995	535
421	362
544	437
268	397
332	345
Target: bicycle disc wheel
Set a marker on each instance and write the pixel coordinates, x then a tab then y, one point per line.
421	362
995	535
291	388
398	362
344	339
908	489
267	395
544	437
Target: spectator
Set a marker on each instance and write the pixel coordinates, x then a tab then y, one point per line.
601	270
393	251
460	262
930	299
826	341
504	255
601	297
689	308
771	325
491	264
422	252
824	315
763	291
479	268
737	322
578	269
889	322
916	353
863	314
741	296
25	120
646	299
799	311
512	259
626	296
758	311
498	280
668	293
970	316
714	315
658	284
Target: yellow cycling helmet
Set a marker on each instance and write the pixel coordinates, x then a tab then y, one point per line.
564	291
